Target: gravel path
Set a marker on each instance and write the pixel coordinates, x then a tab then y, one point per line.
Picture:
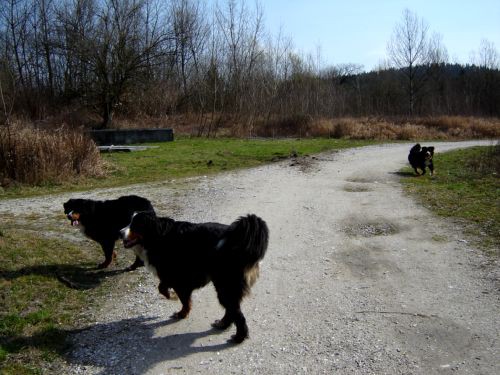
358	279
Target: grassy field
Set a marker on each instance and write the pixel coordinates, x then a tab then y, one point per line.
466	187
45	286
187	157
36	307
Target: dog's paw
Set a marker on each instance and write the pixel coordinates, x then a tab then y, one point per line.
238	339
221	324
134	266
180	315
166	294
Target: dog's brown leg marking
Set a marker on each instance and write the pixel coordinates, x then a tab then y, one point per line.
184	312
185	298
109	254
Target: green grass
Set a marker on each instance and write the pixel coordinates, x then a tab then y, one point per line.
186	157
466	186
37	310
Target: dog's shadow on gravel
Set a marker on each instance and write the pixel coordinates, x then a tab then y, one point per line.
131	346
404	174
73	276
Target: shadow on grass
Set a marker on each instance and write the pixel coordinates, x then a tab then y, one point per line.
140	347
405	174
75	277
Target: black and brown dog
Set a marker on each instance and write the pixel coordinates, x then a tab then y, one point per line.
420	158
187	256
102	220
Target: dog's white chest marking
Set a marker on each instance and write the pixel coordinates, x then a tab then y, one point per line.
142	253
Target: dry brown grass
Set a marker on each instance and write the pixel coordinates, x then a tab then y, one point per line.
294	125
425	128
463	127
32	156
436	128
378	128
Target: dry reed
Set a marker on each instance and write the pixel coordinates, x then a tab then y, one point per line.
35	157
435	128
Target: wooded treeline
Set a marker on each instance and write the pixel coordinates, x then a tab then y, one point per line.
160	58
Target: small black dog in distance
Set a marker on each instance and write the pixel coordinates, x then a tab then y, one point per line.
102	220
420	158
187	256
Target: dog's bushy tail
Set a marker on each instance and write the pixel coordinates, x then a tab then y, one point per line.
245	241
415	148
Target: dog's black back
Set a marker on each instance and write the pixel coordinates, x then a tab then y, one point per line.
102	220
194	253
183	253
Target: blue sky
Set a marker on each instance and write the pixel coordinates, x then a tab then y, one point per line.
357	31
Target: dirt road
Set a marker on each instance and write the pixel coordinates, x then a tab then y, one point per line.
358	279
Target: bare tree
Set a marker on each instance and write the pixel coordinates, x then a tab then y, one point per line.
409	52
16	15
115	48
438	54
488	56
190	38
438	58
242	33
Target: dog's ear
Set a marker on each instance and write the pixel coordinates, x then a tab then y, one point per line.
144	223
80	206
69	205
431	149
153	225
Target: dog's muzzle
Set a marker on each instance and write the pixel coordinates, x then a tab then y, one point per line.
128	237
74	218
124	233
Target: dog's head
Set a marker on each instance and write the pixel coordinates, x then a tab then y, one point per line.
76	210
428	152
143	225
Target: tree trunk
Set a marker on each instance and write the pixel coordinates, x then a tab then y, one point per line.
107	115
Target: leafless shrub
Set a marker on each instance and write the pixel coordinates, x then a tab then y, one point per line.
293	125
35	157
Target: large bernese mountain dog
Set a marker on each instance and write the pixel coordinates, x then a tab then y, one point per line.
102	221
420	158
186	256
